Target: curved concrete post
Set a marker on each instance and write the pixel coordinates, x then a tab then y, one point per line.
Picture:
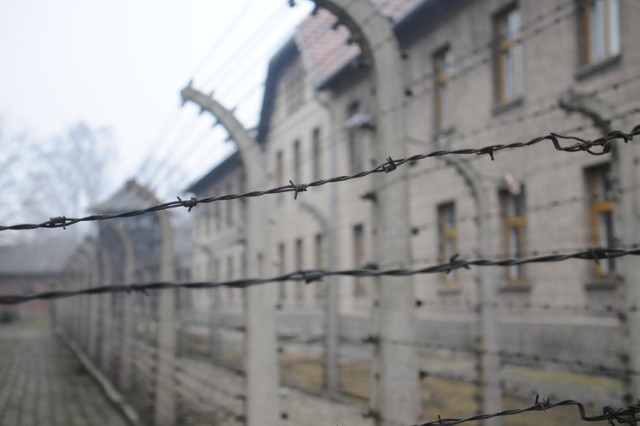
331	304
628	234
398	401
124	375
91	303
488	365
99	316
80	327
105	310
262	363
626	216
214	307
332	301
165	401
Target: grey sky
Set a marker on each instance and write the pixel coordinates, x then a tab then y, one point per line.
122	63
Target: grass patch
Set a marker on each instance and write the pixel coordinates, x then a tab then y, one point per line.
445	397
567	378
302	372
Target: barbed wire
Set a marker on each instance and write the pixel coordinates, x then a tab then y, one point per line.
627	415
507	357
607	309
599	146
310	275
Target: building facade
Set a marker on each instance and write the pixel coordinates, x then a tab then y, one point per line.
477	73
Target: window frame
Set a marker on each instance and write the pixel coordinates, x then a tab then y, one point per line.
316	153
295	160
282	285
318	243
279	173
229	205
501	48
216	216
230	276
355	146
447	234
300	286
587	37
595	176
358	253
442	75
517	223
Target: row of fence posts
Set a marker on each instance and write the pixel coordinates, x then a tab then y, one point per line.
90	321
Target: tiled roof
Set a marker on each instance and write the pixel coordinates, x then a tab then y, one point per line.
223	167
325	50
43	257
126	198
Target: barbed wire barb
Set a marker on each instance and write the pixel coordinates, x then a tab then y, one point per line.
582	145
318	274
628	416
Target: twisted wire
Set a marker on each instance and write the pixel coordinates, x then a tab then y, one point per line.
599	146
310	275
627	415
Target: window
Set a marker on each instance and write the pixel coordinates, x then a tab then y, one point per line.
601	198
294	86
279	169
600	30
216	215
443	69
447	238
243	266
282	285
229	204
316	152
319	263
279	173
355	144
359	289
300	266
207	219
514	221
509	60
296	162
210	271
230	278
216	270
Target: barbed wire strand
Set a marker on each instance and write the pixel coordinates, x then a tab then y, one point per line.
627	415
599	146
506	356
310	275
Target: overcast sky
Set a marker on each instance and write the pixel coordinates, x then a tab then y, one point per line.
121	64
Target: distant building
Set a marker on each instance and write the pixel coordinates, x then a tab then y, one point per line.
477	73
220	240
32	268
144	232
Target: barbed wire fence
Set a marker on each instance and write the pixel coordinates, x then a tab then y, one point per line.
193	389
595	254
145	375
598	146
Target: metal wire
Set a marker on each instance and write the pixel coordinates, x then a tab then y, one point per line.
627	415
310	275
599	146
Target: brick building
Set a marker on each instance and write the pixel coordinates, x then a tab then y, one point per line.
477	73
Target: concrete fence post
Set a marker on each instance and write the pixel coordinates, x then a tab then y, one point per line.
261	361
126	320
107	320
399	399
625	180
164	398
93	302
